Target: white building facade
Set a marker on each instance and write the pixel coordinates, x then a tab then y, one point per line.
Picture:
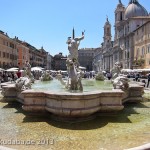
127	20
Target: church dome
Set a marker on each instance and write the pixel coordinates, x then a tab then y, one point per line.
135	9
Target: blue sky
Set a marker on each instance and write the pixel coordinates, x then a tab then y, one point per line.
49	23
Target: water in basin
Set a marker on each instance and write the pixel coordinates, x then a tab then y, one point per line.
88	85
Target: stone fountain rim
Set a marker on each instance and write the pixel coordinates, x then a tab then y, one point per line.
31	91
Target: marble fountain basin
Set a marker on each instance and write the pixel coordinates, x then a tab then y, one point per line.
73	105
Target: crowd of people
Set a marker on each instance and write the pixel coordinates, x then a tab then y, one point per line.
13	76
139	77
9	76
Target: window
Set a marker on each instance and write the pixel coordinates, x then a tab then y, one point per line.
128	54
11	57
4	54
115	56
148	48
128	43
108	31
128	27
125	44
7	55
12	45
121	18
137	52
143	51
143	29
3	64
121	55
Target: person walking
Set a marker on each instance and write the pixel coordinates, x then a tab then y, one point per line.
137	76
108	75
148	77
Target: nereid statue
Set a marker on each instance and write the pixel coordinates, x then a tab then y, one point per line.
116	71
26	81
23	83
46	76
119	80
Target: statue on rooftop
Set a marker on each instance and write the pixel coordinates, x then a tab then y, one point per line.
120	2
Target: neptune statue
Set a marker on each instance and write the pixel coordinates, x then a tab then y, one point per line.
74	73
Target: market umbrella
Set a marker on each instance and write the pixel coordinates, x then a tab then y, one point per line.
1	69
12	69
36	69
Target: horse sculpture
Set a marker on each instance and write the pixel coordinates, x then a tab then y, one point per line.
74	77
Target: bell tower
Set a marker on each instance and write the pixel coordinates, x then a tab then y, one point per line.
107	33
119	17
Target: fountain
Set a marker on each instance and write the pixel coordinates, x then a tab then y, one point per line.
74	103
46	76
100	76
